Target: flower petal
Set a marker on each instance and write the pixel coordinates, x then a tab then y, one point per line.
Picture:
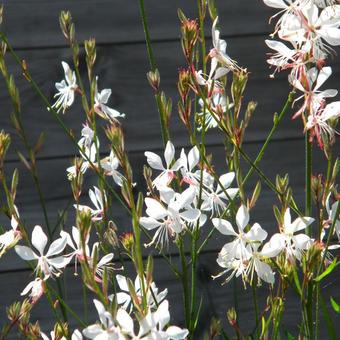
39	239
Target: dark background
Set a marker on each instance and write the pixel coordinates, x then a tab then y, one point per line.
33	30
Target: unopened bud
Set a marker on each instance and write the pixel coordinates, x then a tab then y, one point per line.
110	235
65	21
115	134
190	34
232	316
128	242
5	141
1	13
154	79
90	49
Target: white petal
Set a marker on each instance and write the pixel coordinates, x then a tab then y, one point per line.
101	311
149	223
76	335
299	224
264	271
287	220
125	321
190	215
169	153
302	241
105	259
242	217
105	95
154	208
39	239
227	179
60	261
177	333
224	227
275	3
162	314
324	74
154	160
25	253
256	233
57	247
193	157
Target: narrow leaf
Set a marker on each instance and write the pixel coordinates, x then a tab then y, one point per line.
335	306
328	270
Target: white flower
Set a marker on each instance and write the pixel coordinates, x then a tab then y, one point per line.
66	89
88	151
215	200
310	85
100	107
76	244
171	220
331	210
306	25
156	322
48	263
103	263
219	50
287	241
168	172
98	199
188	164
36	289
217	103
110	165
106	330
123	298
237	249
319	121
11	237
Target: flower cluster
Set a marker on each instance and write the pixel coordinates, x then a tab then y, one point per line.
52	262
173	212
312	28
247	254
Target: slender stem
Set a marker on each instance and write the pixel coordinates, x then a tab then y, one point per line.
259	156
153	66
185	281
256	309
308	179
36	88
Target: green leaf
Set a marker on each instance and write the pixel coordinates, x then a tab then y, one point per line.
288	335
328	320
335	306
328	270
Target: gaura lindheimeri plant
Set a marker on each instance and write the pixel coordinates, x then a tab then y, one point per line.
187	198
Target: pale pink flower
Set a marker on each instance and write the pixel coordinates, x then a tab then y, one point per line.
11	237
35	288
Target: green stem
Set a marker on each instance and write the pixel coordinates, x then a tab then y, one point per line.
185	281
46	102
256	309
308	179
153	66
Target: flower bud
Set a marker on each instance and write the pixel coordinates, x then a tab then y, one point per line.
232	316
5	141
1	13
65	21
154	79
190	34
128	242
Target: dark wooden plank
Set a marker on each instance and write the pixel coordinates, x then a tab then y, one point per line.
118	21
217	299
58	193
123	69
